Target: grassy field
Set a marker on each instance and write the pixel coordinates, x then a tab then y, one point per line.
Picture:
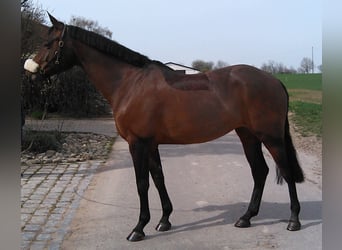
305	91
301	81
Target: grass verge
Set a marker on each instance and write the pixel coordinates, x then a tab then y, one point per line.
307	117
305	92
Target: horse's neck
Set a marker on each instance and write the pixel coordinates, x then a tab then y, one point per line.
105	72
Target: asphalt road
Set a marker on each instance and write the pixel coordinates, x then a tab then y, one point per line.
210	185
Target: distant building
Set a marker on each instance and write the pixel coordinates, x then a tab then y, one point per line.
179	67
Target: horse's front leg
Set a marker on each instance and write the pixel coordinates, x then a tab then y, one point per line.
158	179
140	155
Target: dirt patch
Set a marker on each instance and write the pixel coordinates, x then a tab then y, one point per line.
305	95
309	149
308	144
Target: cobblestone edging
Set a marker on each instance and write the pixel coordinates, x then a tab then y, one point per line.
49	199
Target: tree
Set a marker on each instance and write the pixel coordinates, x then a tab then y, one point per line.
270	67
220	64
90	25
320	68
306	65
68	93
277	68
202	65
73	94
33	29
24	3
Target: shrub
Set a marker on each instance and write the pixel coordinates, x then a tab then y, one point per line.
41	141
70	93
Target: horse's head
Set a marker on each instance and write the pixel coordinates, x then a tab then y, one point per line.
55	55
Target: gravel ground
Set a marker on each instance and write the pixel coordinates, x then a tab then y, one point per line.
310	144
84	139
76	147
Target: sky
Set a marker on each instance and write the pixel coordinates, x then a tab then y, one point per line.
246	31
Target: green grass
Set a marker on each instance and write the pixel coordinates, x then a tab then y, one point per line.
301	81
307	117
305	91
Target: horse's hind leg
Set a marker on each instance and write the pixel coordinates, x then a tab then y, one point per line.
158	179
277	149
253	151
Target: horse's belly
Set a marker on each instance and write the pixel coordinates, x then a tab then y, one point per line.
190	131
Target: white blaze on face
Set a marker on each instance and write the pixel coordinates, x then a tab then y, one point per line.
31	66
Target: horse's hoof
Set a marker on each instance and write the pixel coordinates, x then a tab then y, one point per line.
135	236
242	223
162	226
294	226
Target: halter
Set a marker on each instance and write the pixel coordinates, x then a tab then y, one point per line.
60	45
57	53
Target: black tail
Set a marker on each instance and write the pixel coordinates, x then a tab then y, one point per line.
295	169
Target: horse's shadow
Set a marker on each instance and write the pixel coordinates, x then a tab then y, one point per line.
270	214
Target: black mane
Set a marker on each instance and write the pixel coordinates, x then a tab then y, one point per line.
108	46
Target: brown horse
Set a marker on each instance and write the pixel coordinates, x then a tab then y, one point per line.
152	105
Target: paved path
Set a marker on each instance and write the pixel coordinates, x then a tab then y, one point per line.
210	185
94	205
49	201
50	193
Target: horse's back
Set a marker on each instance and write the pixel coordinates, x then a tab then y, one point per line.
231	97
185	82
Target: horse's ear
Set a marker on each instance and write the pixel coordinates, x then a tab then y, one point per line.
55	23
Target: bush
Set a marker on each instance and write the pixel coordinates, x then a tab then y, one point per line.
70	93
41	141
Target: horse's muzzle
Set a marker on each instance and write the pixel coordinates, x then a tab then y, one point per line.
31	66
